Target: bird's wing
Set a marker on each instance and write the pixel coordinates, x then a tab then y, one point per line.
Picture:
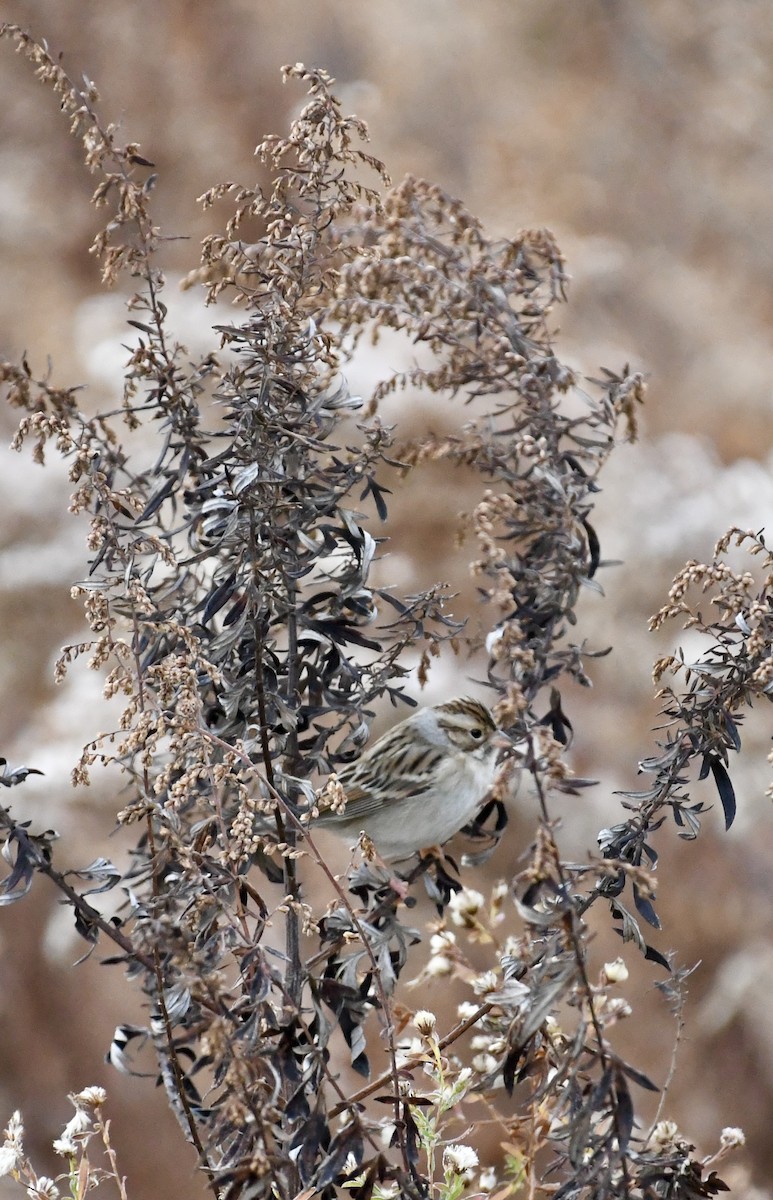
365	782
359	804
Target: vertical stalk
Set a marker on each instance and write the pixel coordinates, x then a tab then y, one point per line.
294	975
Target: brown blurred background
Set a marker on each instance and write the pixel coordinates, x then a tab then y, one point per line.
643	136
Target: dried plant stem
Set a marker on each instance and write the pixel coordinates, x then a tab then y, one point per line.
230	601
295	979
386	1008
90	916
443	1043
179	1077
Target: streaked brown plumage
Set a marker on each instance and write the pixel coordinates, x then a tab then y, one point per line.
422	781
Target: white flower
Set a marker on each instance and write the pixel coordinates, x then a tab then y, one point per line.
441	943
665	1133
490	1043
466	1009
43	1189
499	893
14	1130
615	972
457	1160
464	906
91	1097
425	1022
77	1129
9	1159
732	1136
484	1064
12	1151
617	1008
487	1180
79	1124
66	1147
487	982
439	965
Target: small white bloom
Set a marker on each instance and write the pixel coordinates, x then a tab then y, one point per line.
14	1130
9	1159
484	1064
499	894
66	1147
487	1180
92	1097
615	971
12	1150
439	965
78	1129
466	1009
665	1133
441	943
617	1008
425	1022
81	1123
731	1136
43	1189
487	982
457	1160
464	906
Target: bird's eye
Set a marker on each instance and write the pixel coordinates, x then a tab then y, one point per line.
476	734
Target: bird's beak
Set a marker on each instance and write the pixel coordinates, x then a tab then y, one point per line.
502	740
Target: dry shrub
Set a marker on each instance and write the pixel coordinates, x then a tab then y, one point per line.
231	609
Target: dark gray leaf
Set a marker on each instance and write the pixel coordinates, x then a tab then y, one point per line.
645	907
725	789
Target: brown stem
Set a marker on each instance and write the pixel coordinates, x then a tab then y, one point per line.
410	1063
